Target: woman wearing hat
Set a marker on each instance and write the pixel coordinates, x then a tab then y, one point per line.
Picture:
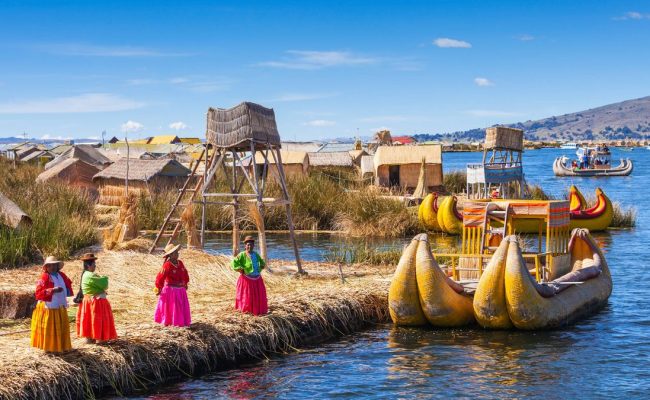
171	286
251	292
95	316
50	329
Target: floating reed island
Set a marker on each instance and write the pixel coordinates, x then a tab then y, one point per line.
303	310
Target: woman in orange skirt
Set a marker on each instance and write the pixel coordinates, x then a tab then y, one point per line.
94	317
50	329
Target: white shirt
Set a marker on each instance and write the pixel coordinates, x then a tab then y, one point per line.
58	299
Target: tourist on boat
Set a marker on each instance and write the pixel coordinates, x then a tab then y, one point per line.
251	292
50	329
95	316
574	164
171	286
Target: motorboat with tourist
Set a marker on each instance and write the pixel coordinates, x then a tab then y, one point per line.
591	161
569	146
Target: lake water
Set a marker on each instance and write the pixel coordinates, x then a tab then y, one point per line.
605	356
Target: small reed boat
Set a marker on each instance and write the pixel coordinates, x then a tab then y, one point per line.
592	161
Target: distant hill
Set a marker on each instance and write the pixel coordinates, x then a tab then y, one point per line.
628	119
13	139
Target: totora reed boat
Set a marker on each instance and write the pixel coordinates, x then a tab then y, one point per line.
501	280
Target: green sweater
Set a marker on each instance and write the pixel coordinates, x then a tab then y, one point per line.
93	284
243	263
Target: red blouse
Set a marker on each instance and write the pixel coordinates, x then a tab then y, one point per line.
173	275
45	287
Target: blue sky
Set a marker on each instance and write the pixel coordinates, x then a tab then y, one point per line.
329	69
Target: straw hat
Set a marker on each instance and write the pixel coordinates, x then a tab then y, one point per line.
249	239
170	248
88	257
52	260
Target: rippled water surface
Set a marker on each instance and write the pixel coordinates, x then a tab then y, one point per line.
607	355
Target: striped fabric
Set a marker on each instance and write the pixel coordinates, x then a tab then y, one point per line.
473	214
558	214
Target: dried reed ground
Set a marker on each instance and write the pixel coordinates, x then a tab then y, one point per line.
302	311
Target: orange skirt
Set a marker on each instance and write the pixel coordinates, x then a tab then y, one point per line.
50	329
95	319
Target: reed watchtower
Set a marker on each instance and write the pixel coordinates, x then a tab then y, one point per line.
240	143
501	168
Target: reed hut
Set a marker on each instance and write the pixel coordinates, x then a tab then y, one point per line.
356	156
84	152
328	160
367	165
11	215
40	157
143	176
294	163
72	171
400	166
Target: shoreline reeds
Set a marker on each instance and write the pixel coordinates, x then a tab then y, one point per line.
303	311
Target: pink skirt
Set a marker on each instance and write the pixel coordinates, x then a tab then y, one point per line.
173	307
251	295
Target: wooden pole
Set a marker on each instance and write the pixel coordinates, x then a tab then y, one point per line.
203	203
260	206
283	183
126	180
235	224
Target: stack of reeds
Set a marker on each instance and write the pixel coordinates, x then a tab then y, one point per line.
16	304
110	195
126	227
189	224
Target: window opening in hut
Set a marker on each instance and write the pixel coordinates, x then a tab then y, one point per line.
393	175
259	168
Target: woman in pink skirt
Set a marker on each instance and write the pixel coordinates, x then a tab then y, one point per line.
251	292
171	287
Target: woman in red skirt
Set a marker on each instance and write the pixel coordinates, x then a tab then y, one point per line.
95	316
251	292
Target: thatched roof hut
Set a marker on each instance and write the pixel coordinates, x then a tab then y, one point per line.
294	163
144	176
400	165
339	159
83	152
236	127
356	156
73	171
38	157
11	215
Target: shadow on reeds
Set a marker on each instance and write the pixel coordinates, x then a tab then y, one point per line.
149	355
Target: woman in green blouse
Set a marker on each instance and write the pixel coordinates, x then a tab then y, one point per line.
251	292
95	316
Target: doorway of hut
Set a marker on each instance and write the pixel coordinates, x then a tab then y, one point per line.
393	175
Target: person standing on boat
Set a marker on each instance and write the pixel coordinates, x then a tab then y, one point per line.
95	317
171	286
251	292
50	328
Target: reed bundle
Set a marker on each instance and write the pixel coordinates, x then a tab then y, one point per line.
306	310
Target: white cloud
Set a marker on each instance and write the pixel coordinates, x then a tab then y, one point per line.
632	15
491	113
178	126
483	82
525	37
179	80
288	97
452	43
320	123
131	126
385	118
83	103
139	82
309	60
48	137
91	50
